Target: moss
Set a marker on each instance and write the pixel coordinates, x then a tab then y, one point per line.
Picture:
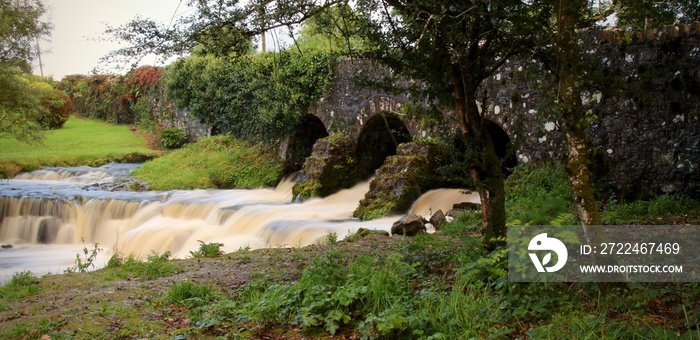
306	189
331	167
394	189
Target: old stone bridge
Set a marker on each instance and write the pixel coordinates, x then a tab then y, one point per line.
642	95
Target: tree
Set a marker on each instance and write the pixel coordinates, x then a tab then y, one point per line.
569	18
20	105
220	28
452	47
645	14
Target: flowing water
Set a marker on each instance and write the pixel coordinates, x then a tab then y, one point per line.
50	215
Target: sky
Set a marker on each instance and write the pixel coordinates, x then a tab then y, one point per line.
74	46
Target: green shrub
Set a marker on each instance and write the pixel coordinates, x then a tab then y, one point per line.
211	249
59	108
172	138
538	194
257	97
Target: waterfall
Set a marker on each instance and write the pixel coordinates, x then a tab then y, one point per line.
36	212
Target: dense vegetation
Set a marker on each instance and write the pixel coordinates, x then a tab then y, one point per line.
132	98
28	104
463	43
255	97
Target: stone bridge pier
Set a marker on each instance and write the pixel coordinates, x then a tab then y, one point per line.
359	131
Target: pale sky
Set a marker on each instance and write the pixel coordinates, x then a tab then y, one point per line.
74	46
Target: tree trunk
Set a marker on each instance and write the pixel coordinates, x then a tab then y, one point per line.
573	117
485	165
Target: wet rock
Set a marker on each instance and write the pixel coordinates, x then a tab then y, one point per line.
329	168
393	189
437	219
409	225
48	229
401	180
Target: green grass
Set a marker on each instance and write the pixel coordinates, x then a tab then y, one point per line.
215	162
660	206
79	142
155	266
21	285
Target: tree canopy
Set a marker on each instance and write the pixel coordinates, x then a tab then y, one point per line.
20	103
641	14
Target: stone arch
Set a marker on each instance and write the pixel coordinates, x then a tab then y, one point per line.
379	139
298	145
378	104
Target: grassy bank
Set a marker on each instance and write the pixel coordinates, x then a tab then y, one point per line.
214	162
79	142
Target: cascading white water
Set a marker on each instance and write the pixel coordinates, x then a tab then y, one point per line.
50	219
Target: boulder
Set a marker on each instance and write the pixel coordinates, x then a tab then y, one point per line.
409	225
329	168
401	179
392	191
437	219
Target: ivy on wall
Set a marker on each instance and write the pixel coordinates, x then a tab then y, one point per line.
255	97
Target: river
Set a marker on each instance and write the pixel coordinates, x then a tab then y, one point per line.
49	216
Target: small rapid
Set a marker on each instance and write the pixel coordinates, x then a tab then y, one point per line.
48	214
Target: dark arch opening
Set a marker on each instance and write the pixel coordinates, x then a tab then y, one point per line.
378	140
501	142
504	147
215	130
297	146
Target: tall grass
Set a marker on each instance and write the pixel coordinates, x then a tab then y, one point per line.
79	142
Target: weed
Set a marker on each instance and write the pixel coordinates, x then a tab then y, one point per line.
84	263
44	328
537	195
332	239
211	249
